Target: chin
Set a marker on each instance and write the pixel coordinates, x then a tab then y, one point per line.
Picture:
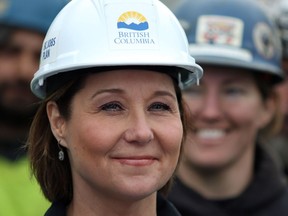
137	193
211	166
142	186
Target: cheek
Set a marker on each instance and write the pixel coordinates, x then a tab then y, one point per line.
7	67
248	114
87	139
171	138
170	141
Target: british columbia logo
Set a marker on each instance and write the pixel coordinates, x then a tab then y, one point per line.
133	28
132	20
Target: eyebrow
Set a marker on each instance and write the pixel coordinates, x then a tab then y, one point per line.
120	91
113	90
165	93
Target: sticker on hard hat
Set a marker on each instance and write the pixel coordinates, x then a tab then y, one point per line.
139	23
263	39
46	47
219	30
47	53
132	29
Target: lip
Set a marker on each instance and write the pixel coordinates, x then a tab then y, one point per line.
136	160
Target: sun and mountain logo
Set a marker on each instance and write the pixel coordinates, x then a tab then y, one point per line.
132	30
132	20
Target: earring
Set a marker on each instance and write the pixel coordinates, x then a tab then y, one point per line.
60	153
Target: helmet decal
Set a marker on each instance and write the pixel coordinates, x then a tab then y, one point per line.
225	32
132	28
46	47
219	30
48	52
132	20
263	39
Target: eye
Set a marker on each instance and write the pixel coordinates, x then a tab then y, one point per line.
159	107
234	91
112	106
11	51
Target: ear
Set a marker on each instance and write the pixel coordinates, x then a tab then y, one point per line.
268	111
57	122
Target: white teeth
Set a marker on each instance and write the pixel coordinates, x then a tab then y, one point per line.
210	133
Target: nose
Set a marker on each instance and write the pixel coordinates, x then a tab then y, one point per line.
211	109
138	131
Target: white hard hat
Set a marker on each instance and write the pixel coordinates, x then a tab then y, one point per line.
100	33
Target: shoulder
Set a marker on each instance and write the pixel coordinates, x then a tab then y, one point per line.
278	204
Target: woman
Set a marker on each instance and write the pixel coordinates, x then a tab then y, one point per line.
224	169
108	133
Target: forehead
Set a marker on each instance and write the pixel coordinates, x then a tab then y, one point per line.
26	38
130	76
137	84
128	81
218	72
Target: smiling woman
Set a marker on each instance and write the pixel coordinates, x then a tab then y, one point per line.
112	131
106	140
224	166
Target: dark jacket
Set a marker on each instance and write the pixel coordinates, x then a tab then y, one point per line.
267	195
164	208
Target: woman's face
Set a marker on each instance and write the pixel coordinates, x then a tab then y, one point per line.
227	112
124	134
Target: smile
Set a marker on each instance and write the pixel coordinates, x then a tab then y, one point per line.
136	161
210	133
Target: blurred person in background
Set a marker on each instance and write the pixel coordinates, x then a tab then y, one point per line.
278	145
224	169
23	24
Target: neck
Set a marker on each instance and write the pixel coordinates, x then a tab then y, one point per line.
221	182
91	204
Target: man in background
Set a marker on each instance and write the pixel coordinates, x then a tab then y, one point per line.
23	25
